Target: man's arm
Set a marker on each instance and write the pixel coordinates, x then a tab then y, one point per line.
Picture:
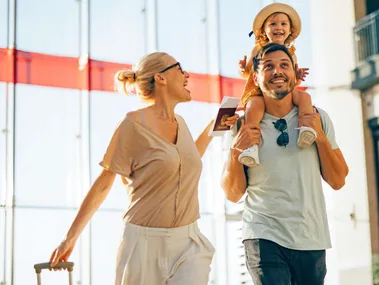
333	165
233	179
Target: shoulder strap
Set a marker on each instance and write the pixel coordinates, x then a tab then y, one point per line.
142	117
322	123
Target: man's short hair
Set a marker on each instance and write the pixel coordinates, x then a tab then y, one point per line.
272	47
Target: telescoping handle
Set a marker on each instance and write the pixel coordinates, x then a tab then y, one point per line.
47	265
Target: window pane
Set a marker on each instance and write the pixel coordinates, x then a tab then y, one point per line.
2	244
47	147
182	32
236	20
235	254
117	30
48	26
3	23
107	110
37	233
3	154
197	123
208	227
106	236
211	196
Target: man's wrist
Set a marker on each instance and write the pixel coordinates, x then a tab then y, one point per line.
235	152
321	138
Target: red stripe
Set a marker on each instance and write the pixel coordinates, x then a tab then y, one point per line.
71	72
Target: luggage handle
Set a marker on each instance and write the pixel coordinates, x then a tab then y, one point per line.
47	265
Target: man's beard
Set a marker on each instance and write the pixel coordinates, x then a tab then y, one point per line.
276	93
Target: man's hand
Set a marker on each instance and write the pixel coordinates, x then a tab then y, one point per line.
247	136
313	121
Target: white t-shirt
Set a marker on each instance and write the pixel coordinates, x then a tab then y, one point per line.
285	202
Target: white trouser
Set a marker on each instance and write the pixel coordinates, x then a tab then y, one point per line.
160	256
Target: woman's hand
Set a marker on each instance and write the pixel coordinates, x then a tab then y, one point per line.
94	198
233	119
62	252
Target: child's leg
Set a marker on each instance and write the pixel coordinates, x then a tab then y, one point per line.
255	109
249	90
303	101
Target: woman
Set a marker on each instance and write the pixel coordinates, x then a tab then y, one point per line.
153	151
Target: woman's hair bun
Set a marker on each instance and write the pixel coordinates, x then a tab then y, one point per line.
124	79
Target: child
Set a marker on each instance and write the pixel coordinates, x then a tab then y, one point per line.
276	23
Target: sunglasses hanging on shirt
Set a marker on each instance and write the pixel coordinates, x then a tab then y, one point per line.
283	138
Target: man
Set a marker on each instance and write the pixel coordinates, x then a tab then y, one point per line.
285	228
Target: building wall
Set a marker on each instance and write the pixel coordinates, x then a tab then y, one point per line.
360	9
370	107
333	59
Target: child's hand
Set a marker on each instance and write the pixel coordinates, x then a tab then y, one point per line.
301	73
242	65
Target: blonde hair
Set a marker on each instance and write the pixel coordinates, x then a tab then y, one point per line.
263	40
141	75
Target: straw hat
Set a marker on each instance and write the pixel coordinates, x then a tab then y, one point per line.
277	8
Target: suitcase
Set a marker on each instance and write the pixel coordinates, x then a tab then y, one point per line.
64	265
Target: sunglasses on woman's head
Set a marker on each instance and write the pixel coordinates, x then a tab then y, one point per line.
283	139
171	66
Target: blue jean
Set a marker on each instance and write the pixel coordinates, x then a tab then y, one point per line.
271	264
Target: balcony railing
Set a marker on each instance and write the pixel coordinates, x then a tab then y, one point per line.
366	34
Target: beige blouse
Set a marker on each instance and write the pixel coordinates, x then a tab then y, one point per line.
162	177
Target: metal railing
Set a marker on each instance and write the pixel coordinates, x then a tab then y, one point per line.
366	35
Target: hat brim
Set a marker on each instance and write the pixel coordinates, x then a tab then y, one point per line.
277	8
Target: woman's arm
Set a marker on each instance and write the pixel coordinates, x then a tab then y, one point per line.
204	140
94	198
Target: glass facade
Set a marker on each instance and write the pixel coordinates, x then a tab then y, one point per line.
47	164
117	30
50	27
3	167
36	233
184	35
55	127
3	23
